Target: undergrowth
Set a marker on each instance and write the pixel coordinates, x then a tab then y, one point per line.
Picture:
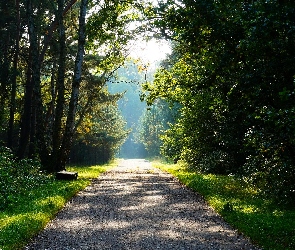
267	224
18	176
35	207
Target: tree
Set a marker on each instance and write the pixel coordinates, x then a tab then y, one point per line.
234	76
154	121
101	132
41	72
60	89
70	124
5	54
12	108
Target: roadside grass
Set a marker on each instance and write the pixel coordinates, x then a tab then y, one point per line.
267	225
21	221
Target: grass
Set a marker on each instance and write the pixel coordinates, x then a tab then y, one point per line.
18	223
266	224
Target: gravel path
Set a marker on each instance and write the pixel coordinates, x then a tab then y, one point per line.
135	206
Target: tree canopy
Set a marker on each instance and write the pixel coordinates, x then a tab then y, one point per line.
232	72
55	60
230	80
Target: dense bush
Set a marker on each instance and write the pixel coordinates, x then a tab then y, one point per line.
17	177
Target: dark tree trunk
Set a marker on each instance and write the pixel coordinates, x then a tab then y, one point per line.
4	61
60	87
13	78
33	88
33	67
25	125
70	124
32	142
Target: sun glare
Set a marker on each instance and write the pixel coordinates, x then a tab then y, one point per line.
150	52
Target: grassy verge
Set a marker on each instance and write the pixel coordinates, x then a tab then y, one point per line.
34	210
266	224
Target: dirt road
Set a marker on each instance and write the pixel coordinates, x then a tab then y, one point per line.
136	206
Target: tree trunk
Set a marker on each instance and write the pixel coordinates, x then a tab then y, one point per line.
33	66
32	142
51	29
13	78
70	124
25	125
4	61
33	86
60	86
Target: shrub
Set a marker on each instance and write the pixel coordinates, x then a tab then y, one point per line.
18	177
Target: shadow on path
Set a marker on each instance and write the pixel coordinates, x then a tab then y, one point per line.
135	206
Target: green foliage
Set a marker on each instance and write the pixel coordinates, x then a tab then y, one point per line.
243	206
16	177
171	146
100	136
154	122
271	165
232	71
54	30
37	206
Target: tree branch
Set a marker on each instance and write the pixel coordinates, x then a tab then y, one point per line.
51	29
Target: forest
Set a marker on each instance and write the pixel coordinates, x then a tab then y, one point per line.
222	102
232	76
56	58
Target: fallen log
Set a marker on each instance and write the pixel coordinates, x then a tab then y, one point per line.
66	175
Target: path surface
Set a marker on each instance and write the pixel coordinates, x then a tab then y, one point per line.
135	206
